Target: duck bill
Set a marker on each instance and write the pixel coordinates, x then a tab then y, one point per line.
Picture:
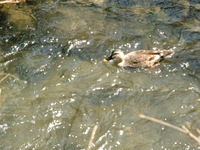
105	60
108	59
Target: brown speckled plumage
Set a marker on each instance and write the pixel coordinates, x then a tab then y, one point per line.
140	58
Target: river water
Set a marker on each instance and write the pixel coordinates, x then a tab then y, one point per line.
58	88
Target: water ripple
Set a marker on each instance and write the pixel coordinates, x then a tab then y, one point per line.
59	88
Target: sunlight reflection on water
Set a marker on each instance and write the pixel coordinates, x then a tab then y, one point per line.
59	88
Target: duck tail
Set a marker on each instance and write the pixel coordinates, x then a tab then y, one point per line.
167	53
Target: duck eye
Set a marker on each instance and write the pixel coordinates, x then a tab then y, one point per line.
114	54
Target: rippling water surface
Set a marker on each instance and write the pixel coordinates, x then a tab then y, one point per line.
58	88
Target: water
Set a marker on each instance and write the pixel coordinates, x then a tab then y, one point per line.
58	88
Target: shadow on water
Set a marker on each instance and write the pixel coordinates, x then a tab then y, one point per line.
59	88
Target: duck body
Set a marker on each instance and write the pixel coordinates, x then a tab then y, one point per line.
140	58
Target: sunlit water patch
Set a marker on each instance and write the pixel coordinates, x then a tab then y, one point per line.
59	88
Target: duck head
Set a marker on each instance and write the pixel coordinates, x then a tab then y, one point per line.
116	56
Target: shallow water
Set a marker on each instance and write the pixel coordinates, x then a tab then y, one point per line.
58	88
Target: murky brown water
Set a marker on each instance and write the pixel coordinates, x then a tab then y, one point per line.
59	88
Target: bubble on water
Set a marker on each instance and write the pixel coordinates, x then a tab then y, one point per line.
87	130
44	88
4	127
121	132
53	125
118	143
185	65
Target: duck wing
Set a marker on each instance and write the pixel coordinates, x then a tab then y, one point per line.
146	58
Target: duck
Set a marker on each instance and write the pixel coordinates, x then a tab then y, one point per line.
139	58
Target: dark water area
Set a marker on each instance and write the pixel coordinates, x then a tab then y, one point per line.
57	87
